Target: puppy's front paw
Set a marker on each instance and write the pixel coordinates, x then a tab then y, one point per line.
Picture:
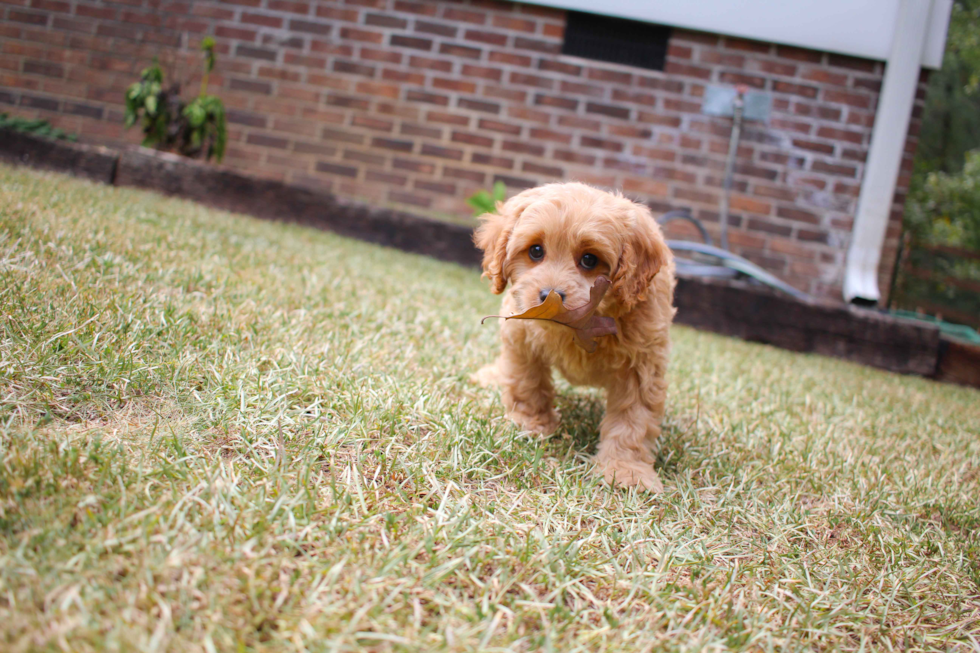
628	473
543	423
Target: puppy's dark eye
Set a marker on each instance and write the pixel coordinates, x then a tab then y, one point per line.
536	252
589	261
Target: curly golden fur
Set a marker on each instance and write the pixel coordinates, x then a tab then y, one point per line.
568	221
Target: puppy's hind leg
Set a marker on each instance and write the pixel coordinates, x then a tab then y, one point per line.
487	376
629	433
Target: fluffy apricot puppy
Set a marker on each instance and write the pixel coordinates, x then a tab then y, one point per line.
561	237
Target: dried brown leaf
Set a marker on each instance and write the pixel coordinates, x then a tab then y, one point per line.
582	320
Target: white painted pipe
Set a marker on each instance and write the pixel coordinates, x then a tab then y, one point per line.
885	154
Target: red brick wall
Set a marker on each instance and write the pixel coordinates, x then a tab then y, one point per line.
419	104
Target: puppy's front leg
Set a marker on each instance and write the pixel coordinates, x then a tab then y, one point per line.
629	433
526	387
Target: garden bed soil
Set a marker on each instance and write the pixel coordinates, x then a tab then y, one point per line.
732	308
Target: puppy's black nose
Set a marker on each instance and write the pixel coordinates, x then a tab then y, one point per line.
543	295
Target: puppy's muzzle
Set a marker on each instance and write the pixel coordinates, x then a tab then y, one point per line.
543	295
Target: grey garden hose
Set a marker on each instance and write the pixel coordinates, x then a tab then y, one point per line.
729	265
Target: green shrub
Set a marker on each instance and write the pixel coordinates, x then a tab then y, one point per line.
945	208
195	129
36	127
484	202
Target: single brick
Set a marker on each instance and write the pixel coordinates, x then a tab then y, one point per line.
389	91
510	59
250	86
687	70
531	80
310	27
461	173
364	157
472	139
559	102
409	129
481	158
370	122
347	101
255	53
547	47
537	168
267	141
741	78
427	98
797	215
602	144
386	56
574	157
391	144
823	148
494	125
262	19
453	85
365	36
403	77
335	13
549	135
238	117
455	50
608	110
384	20
850	99
523	148
421	167
388	178
841	135
442	152
494	74
442	188
350	67
423	8
812	236
551	65
288	6
795	89
447	118
694	195
491	38
334	169
400	41
462	15
441	65
833	169
478	105
439	29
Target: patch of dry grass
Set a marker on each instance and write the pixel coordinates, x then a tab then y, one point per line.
222	434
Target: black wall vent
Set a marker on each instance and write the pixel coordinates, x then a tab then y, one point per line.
616	40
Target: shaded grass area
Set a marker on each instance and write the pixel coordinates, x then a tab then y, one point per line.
223	434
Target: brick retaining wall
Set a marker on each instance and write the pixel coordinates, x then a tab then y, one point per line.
415	105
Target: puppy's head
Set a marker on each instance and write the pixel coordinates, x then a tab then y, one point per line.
562	236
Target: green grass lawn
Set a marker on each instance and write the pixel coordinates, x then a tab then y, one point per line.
223	434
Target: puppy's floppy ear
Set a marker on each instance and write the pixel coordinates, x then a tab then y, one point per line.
494	232
644	252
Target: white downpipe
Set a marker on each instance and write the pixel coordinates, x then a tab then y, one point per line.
885	154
